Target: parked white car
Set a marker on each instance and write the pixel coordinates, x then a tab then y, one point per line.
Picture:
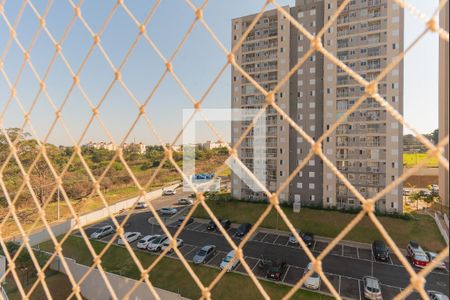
102	231
227	259
130	237
157	243
432	256
436	295
167	242
141	204
185	201
169	192
143	242
313	281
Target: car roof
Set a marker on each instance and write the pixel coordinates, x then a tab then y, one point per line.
207	247
372	281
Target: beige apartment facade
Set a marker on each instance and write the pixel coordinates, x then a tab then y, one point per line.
264	55
367	148
443	103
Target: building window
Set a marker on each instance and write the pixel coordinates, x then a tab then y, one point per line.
311	186
312	174
312	162
312	197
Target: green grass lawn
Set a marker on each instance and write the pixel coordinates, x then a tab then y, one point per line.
171	275
412	159
330	223
58	285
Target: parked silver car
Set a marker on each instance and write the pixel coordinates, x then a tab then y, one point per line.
130	237
372	288
204	254
102	232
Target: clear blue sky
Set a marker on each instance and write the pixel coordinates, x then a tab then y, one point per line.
198	62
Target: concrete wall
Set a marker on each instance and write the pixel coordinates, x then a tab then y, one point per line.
41	235
94	287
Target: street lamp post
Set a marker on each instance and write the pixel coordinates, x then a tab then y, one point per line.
59	209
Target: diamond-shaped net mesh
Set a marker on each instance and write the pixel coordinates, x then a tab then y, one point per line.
42	156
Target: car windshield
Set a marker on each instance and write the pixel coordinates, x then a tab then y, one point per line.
373	289
158	239
307	237
202	252
372	285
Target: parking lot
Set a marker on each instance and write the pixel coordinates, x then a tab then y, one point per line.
344	266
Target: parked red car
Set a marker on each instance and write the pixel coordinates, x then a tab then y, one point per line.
416	254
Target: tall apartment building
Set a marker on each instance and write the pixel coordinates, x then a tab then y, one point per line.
443	103
265	55
367	147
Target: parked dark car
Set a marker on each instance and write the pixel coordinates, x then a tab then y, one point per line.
180	220
380	250
243	229
211	225
226	224
308	238
276	269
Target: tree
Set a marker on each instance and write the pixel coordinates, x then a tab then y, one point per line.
415	197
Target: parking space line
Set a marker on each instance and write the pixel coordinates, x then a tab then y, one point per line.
217	253
254	265
357	252
189	251
285	273
359	289
314	246
339	287
342	247
390	260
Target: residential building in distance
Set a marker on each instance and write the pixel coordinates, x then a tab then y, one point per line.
443	103
367	147
208	145
133	147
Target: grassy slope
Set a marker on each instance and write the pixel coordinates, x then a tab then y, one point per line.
411	159
170	274
330	223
